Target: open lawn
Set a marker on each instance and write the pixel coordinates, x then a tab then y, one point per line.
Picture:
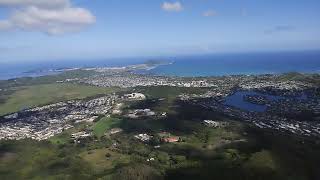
31	96
104	159
64	137
103	125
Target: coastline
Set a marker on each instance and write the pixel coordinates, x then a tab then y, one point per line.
191	66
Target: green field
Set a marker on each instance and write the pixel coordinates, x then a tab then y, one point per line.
31	96
97	158
103	125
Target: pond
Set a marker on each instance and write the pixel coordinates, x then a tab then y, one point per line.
237	100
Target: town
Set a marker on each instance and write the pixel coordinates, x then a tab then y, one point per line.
46	121
43	122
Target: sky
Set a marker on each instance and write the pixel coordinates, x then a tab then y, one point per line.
41	30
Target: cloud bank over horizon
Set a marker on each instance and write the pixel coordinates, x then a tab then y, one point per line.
53	17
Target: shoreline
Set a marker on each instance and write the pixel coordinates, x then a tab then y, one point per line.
138	69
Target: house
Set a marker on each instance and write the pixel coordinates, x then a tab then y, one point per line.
214	124
143	137
171	139
115	131
167	137
136	96
140	113
80	135
12	116
211	123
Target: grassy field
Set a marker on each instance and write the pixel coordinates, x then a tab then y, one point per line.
64	137
104	159
103	125
30	96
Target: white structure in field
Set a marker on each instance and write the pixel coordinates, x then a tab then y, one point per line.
80	135
136	96
211	123
115	131
143	137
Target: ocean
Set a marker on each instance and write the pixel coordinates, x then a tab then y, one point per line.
244	63
187	66
41	68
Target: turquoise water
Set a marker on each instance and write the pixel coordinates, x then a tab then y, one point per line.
41	68
250	63
201	65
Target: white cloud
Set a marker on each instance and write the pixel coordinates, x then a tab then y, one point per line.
209	13
53	17
37	3
173	7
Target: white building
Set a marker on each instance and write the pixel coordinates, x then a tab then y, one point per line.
136	96
211	123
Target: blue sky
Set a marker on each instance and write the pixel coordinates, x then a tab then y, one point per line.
96	29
